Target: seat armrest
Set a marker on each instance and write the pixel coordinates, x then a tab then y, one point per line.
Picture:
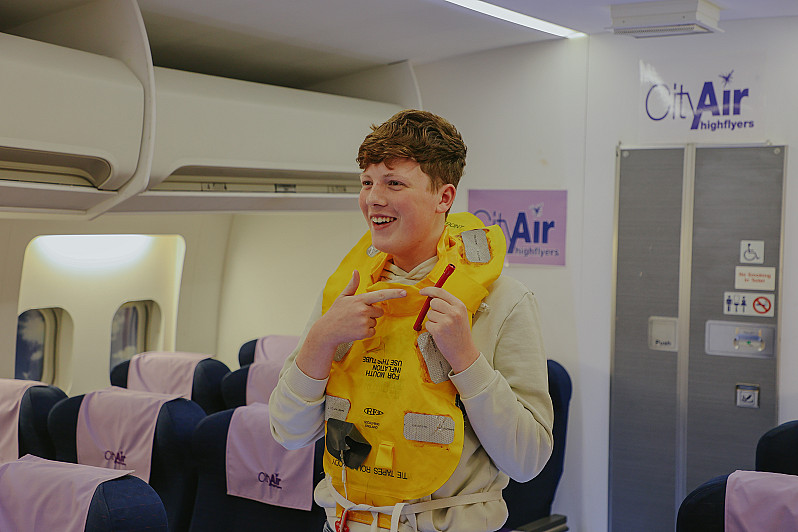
550	523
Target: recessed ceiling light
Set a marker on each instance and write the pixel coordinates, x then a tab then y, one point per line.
517	18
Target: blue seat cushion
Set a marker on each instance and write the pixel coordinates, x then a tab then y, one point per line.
246	353
777	450
234	387
35	406
126	504
532	500
704	508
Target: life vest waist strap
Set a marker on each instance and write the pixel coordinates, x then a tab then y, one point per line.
410	510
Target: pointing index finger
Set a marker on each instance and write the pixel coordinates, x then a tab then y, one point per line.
369	298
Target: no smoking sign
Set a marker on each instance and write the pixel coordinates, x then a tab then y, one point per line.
749	304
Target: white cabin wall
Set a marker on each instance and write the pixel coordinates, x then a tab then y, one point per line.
196	314
276	266
201	286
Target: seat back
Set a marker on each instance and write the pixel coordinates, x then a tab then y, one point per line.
272	350
704	508
532	500
251	384
206	390
119	374
246	353
42	494
234	387
777	449
126	504
35	406
215	510
173	474
273	346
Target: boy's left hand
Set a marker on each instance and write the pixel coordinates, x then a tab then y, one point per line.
447	322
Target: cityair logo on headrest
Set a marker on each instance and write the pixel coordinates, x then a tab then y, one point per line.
718	104
272	480
117	458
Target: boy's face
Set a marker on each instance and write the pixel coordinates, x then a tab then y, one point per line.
404	215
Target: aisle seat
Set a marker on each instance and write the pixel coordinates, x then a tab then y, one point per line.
173	474
38	494
704	508
215	510
24	406
238	388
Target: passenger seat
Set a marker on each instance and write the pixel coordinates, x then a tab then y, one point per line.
173	474
207	377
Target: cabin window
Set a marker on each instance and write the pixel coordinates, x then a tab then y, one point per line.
130	330
37	331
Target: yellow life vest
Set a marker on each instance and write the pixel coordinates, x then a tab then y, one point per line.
398	402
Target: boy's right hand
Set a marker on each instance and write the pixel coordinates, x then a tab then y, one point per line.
351	317
354	317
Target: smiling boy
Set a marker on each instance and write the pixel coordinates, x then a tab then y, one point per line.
422	428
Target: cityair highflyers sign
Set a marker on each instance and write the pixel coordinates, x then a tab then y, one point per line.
533	222
714	101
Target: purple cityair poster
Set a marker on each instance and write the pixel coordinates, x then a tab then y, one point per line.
533	222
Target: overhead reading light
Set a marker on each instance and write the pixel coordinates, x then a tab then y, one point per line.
517	18
665	18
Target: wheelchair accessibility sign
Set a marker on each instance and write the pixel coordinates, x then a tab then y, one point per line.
748	304
752	252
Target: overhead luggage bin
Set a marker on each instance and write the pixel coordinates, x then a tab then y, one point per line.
71	126
231	145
